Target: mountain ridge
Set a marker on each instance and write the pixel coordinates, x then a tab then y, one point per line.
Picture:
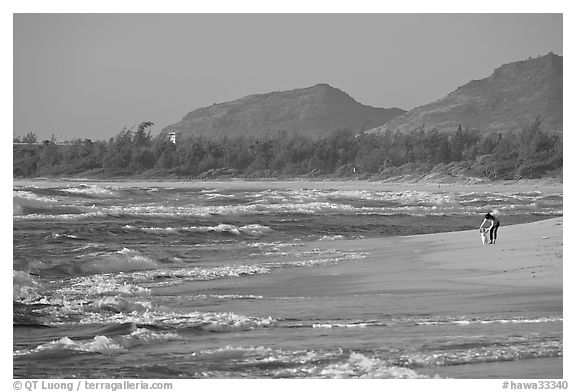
511	98
315	111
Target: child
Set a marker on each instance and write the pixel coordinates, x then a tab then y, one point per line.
483	236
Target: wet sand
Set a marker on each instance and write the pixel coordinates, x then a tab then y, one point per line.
523	270
448	274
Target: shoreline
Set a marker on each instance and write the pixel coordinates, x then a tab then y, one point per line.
527	255
513	288
522	273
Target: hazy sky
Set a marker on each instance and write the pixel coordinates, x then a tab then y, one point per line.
89	75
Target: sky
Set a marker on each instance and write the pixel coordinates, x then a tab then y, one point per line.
90	75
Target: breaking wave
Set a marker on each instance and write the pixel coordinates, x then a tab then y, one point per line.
361	366
99	344
119	261
483	353
92	190
28	203
24	286
253	229
278	363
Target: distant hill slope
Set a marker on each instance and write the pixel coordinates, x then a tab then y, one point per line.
314	111
511	98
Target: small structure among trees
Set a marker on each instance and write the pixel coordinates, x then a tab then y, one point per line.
172	137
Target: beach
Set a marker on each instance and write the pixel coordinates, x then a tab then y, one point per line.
286	280
447	275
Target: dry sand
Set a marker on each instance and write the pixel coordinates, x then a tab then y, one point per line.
525	257
444	273
523	270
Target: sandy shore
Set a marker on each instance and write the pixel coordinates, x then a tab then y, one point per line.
432	275
444	273
526	257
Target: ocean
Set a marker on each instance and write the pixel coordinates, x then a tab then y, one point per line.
121	280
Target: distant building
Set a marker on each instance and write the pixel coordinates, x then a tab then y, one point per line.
172	137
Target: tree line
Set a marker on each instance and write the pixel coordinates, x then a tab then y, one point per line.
530	153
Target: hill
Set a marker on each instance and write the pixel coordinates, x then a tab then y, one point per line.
314	111
508	100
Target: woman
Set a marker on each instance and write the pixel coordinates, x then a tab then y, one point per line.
494	225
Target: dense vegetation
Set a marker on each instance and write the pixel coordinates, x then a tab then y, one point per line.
531	153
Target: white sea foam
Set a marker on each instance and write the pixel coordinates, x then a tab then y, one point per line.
65	346
97	190
409	321
99	344
97	285
471	321
307	201
118	304
202	321
242	209
32	197
57	235
122	260
218	196
60	217
356	194
331	237
230	296
340	325
261	350
253	229
157	230
361	366
339	364
147	336
209	190
97	295
24	286
162	277
307	363
317	257
485	353
105	299
26	199
88	246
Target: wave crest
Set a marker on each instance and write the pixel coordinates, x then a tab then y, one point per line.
119	261
100	344
24	286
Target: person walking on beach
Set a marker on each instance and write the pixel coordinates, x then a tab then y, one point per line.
494	225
